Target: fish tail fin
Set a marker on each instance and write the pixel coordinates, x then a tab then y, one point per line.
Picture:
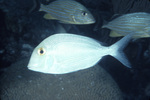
117	50
36	3
41	7
104	24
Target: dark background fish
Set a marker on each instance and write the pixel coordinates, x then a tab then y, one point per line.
22	27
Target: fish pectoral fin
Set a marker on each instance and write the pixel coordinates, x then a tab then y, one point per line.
115	34
48	16
73	21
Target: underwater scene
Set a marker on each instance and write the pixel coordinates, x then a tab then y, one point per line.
75	50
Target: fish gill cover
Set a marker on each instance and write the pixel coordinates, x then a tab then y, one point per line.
23	27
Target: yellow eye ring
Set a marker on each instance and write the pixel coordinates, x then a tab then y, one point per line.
41	51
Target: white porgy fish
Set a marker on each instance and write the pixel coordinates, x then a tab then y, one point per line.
65	53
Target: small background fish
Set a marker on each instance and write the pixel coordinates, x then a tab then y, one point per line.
138	22
67	11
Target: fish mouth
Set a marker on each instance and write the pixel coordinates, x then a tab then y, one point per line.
91	22
88	22
33	69
30	68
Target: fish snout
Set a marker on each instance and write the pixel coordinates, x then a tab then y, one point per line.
90	21
93	21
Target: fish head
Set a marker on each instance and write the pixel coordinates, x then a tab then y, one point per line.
40	60
83	16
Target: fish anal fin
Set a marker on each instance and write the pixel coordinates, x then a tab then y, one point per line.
66	22
115	34
48	16
145	35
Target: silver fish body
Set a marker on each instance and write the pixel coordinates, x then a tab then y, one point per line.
138	22
65	53
68	11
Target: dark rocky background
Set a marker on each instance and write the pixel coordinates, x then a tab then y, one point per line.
22	28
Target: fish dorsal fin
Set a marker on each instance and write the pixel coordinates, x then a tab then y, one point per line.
115	34
48	16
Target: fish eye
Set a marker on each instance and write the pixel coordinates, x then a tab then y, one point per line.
84	13
41	51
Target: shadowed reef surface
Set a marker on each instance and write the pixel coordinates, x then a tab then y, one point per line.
19	83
